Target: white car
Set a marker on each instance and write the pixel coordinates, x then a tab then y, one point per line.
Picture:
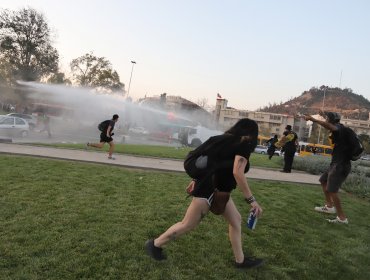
32	120
138	131
13	126
261	150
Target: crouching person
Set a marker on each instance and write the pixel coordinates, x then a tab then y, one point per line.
224	160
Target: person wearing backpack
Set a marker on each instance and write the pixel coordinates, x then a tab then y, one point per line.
340	166
217	167
271	146
106	128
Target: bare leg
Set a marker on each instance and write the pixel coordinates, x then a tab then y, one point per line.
96	145
111	148
338	206
234	219
328	198
197	209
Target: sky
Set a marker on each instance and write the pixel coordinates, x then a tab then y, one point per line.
253	53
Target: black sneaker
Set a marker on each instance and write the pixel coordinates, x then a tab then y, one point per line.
153	251
249	262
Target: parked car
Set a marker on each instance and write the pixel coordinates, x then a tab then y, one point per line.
366	157
32	120
13	126
138	131
261	150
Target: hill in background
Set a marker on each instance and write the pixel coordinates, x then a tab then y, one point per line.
343	101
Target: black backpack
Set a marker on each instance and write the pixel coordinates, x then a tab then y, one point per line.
103	125
204	150
355	147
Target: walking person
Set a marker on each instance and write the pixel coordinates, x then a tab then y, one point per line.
106	136
271	146
46	123
340	166
230	151
289	145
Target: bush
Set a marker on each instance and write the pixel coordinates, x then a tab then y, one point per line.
357	183
312	164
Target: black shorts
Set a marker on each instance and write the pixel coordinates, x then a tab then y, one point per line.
335	176
222	181
104	138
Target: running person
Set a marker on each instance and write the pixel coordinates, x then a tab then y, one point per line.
106	137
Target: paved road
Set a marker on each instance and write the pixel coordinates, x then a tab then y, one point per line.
143	162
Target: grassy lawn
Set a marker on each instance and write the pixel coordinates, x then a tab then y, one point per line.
257	160
69	220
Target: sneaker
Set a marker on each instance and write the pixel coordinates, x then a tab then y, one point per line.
153	251
325	209
249	262
112	158
337	220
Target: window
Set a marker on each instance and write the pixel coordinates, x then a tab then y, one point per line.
275	117
8	121
19	121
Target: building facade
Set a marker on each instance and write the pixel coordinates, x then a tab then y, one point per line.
269	123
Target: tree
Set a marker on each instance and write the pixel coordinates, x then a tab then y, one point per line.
92	71
25	45
202	102
365	140
58	78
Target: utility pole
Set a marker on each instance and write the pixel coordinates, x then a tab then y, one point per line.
129	84
322	109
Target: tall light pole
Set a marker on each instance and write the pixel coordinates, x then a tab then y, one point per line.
129	84
322	109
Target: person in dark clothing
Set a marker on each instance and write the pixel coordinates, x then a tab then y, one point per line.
234	147
106	137
289	144
271	146
339	168
46	123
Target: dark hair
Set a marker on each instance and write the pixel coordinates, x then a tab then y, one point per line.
332	117
245	127
115	117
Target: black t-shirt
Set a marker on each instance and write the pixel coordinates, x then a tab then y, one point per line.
290	146
340	151
111	124
225	155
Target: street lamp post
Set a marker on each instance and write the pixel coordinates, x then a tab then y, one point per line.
322	109
132	70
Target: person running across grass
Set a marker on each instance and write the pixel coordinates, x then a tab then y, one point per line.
106	136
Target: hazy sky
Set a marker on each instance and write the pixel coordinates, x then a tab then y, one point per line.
251	52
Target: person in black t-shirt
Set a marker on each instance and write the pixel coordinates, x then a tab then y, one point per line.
230	153
288	144
271	146
339	168
106	137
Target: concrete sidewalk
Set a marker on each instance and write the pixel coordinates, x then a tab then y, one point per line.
144	162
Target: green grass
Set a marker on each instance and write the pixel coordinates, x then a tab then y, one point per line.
257	160
69	220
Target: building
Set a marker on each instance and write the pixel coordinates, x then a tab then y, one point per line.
359	126
269	123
